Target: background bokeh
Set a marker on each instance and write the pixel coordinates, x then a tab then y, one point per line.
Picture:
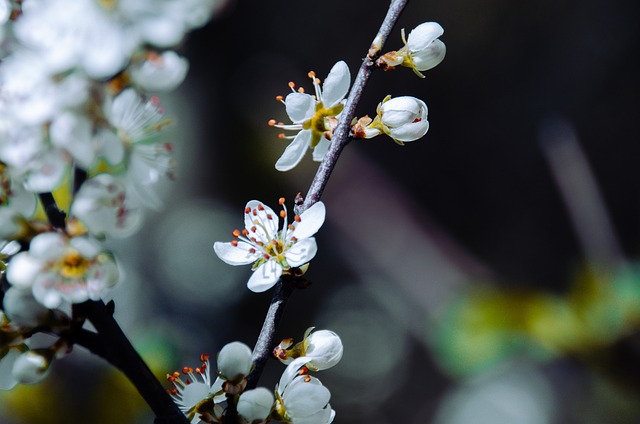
482	274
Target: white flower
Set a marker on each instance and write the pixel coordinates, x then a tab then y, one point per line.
301	398
159	72
193	395
424	48
58	268
234	361
100	205
255	405
323	348
272	251
314	117
403	118
31	366
421	52
22	309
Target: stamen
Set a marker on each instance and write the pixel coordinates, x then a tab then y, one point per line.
234	243
280	98
311	74
266	256
269	216
281	135
291	227
253	229
252	250
272	122
297	218
236	233
301	90
247	210
187	370
260	207
281	201
283	214
245	232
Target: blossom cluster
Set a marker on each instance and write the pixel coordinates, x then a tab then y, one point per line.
298	398
81	149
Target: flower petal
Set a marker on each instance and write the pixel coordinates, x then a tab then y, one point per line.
336	85
261	221
423	35
235	255
23	269
265	277
294	152
321	149
301	252
291	372
310	221
300	107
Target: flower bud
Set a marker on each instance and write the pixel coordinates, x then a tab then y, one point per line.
32	366
325	347
234	361
256	404
22	309
403	118
424	49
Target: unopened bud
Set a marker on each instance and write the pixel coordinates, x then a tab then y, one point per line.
256	404
234	361
32	366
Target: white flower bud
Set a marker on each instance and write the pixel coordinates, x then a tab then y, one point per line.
424	48
31	367
325	347
256	404
404	118
234	361
160	72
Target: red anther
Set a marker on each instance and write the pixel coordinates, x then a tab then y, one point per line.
171	378
254	212
260	207
291	227
281	201
198	371
204	357
236	233
269	216
234	243
271	122
292	84
168	147
245	232
279	98
252	250
253	229
266	256
303	370
307	379
176	374
311	74
154	100
174	392
297	218
188	381
281	135
294	239
283	214
318	81
247	210
187	370
417	120
203	367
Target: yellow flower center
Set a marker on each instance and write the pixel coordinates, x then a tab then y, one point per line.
73	264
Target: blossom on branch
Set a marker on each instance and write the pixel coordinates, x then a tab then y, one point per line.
59	268
422	50
272	251
255	405
323	348
314	117
402	118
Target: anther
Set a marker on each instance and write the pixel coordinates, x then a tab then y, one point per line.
236	233
204	357
301	90
247	210
234	243
260	207
311	74
279	98
307	379
272	122
266	256
176	374
245	232
187	370
254	229
252	250
292	84
281	135
269	216
283	214
281	201
291	227
297	218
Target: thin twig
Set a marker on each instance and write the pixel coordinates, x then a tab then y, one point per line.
265	344
341	136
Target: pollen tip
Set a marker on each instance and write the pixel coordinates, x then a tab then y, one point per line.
281	135
281	201
272	122
311	74
234	243
279	98
283	214
301	90
292	84
236	233
247	210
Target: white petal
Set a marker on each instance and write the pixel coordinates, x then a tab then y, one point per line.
22	270
305	395
295	151
430	57
336	85
265	277
47	246
235	255
423	35
291	372
163	73
301	252
310	221
261	221
321	149
300	107
7	381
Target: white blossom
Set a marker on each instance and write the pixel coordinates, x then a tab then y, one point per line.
234	361
159	72
58	269
424	49
100	205
403	118
272	251
255	405
314	117
193	393
301	398
31	367
22	309
323	348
